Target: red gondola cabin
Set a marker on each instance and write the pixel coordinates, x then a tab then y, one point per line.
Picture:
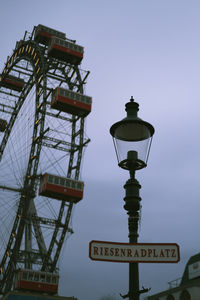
12	82
44	34
65	50
71	102
61	188
37	281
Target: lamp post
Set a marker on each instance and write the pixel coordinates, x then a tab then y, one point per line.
132	141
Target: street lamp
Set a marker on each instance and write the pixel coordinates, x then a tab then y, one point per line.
132	141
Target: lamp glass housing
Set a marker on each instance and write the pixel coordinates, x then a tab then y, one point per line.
131	142
132	134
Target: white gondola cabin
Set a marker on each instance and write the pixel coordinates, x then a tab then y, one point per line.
71	102
12	82
30	280
65	50
44	34
61	188
3	125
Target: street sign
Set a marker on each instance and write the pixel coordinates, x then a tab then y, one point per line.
140	252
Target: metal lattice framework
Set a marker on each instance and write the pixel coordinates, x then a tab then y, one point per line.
37	139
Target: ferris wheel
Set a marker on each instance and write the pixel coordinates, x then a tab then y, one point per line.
42	138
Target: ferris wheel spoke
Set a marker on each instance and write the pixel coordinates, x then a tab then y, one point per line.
3	187
38	232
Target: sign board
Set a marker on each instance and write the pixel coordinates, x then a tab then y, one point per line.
140	252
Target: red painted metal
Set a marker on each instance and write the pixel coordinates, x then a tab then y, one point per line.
64	53
12	82
59	192
44	34
20	283
70	105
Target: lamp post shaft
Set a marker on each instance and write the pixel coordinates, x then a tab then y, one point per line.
133	267
135	135
132	205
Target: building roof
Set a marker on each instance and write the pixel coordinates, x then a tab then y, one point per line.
192	260
185	283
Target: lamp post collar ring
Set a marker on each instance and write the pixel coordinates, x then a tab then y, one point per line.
132	165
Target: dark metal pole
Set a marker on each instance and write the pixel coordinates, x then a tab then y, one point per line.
132	205
126	134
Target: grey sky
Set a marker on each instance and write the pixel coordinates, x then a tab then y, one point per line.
149	50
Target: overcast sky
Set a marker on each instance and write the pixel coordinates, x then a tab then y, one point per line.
148	49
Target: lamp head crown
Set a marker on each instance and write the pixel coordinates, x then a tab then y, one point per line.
132	109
